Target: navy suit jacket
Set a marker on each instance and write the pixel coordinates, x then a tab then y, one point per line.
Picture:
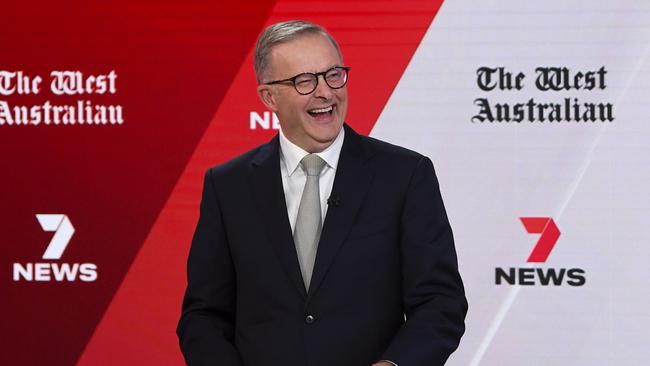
385	284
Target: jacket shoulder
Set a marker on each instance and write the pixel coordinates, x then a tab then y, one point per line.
385	150
237	165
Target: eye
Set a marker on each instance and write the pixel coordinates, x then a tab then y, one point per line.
334	74
304	80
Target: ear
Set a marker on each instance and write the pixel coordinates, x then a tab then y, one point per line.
267	94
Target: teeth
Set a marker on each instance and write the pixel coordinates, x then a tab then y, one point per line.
322	110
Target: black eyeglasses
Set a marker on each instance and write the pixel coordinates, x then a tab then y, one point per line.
306	83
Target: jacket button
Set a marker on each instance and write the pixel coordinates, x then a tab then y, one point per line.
309	319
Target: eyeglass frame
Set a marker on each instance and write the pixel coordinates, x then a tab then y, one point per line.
316	75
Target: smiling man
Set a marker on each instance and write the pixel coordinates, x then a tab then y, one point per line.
321	247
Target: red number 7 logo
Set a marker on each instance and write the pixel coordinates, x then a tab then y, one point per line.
550	233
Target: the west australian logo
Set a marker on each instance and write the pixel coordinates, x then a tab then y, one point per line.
532	275
54	269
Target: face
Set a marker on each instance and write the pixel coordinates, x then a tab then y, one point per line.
310	121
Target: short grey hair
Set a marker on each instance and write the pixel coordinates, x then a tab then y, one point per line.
284	32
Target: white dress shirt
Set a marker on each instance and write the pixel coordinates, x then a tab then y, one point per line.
294	178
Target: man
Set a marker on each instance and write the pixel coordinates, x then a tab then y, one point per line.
321	247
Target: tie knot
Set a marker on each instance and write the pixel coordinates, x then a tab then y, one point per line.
312	164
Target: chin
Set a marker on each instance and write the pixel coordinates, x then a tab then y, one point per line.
327	133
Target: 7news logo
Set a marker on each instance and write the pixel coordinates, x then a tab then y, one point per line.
529	276
55	271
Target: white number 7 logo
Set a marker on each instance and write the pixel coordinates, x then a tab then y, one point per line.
63	233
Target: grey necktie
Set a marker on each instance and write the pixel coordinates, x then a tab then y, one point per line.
307	230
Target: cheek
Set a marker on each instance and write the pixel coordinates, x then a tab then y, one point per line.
293	108
343	103
342	96
299	105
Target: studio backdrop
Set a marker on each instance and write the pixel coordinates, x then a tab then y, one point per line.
535	114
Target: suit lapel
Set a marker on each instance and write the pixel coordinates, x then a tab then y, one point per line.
268	193
350	186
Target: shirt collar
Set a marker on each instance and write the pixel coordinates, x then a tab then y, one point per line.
292	154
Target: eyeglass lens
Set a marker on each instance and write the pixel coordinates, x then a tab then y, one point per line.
335	79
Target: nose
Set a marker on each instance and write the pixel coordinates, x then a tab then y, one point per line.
322	89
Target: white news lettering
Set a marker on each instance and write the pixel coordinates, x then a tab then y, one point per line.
82	112
53	271
75	83
59	272
266	121
17	82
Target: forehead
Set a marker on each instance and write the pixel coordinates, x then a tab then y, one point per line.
306	53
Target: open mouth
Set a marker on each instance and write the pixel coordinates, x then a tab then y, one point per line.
321	111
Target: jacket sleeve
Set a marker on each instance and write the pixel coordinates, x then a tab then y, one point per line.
206	326
433	296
